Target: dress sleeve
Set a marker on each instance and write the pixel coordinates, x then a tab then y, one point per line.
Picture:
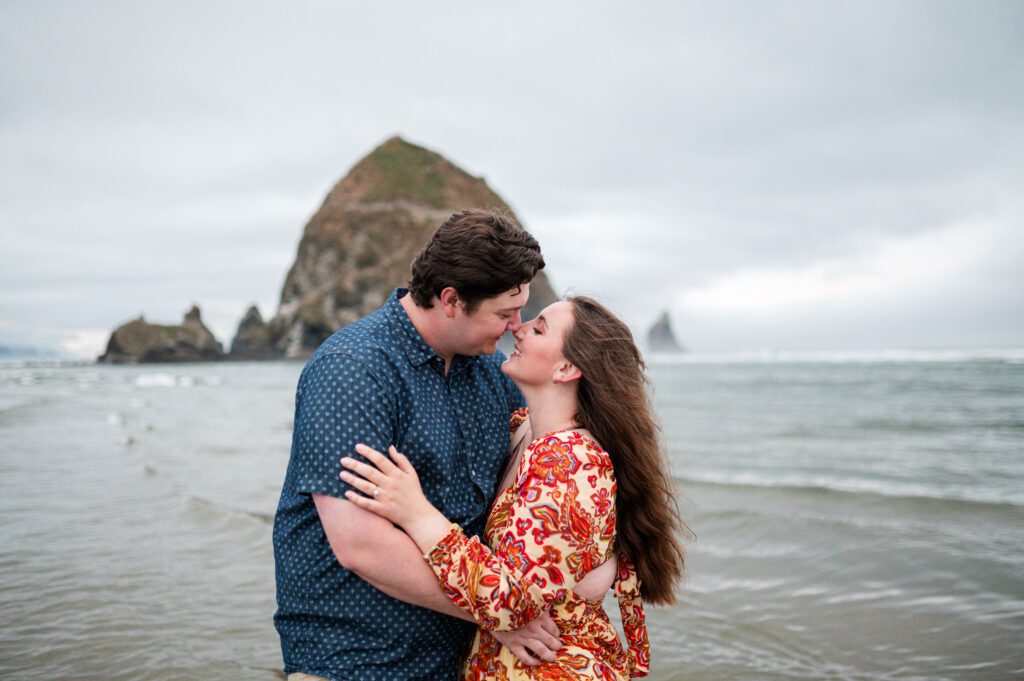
561	526
634	622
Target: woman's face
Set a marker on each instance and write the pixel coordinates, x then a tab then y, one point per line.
538	348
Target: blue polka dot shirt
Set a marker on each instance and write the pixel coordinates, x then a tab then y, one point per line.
377	381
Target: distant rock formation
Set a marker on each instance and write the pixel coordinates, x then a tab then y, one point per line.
139	342
359	244
661	339
253	340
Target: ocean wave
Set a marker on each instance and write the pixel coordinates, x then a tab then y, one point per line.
10	403
42	363
159	380
893	356
852	488
221	508
166	380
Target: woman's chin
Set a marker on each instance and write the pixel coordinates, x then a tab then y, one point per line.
508	367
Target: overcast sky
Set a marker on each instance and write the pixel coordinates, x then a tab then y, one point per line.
797	175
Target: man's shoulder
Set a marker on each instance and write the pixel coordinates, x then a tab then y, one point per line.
367	344
365	339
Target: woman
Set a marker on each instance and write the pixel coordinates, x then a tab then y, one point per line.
593	485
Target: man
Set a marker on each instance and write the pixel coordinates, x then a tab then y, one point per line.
355	598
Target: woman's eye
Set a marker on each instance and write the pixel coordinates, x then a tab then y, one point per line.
536	330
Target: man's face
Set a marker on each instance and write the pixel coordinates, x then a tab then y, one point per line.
478	333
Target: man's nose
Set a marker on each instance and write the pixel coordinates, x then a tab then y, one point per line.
515	324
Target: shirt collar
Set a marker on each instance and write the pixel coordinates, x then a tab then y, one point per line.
416	349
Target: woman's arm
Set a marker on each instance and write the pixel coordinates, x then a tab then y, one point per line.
562	526
534	642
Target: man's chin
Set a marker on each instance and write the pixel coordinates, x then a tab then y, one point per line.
489	349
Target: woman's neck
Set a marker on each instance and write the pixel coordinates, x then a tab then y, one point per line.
552	408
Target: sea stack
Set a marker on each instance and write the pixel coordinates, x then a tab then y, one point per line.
357	247
661	338
139	342
253	338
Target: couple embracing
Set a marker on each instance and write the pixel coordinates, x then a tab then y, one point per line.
449	513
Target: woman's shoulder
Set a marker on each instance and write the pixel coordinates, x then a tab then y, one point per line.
571	450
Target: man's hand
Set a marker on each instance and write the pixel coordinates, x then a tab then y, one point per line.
535	643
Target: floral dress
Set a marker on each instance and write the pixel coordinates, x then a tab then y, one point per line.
553	524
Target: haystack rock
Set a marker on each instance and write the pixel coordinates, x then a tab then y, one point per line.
661	338
139	342
358	245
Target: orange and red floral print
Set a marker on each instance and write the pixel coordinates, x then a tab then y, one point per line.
554	524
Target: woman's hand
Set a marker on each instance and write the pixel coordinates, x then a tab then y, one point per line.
392	490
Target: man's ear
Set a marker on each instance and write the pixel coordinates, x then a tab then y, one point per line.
566	373
449	301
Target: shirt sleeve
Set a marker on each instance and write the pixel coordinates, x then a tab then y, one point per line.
562	524
339	404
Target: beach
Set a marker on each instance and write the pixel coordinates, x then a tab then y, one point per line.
858	516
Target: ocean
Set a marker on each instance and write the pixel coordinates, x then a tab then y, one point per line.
857	516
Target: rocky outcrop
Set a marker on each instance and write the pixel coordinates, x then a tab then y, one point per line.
139	342
660	338
358	246
254	339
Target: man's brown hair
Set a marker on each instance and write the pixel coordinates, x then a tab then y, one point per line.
480	254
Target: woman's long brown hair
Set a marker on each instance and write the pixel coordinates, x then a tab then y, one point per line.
614	405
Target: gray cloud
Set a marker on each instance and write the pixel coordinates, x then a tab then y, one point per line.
152	155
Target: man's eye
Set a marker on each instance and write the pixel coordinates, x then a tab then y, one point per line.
536	330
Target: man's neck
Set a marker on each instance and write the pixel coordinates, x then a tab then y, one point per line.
426	321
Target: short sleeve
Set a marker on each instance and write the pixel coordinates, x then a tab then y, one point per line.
339	404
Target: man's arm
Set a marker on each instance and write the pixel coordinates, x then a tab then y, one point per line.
382	554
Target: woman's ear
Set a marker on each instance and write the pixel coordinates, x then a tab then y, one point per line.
566	373
449	301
